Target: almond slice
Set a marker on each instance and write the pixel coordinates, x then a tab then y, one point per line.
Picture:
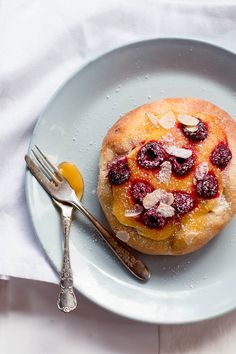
136	211
191	129
167	198
221	206
166	210
165	172
187	119
167	121
158	195
153	119
201	170
152	198
178	152
122	235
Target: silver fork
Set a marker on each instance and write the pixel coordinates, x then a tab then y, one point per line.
57	187
66	301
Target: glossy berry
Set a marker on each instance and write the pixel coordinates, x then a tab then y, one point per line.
119	171
151	155
183	202
221	155
180	166
139	190
207	187
153	219
200	134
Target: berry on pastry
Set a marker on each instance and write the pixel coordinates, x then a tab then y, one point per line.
167	175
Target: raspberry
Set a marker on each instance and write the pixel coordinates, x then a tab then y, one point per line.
200	134
183	202
221	155
119	171
180	166
151	155
207	187
139	190
153	219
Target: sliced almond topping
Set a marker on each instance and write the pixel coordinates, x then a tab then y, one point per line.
166	210
158	195
191	129
152	198
136	211
167	198
178	152
165	172
221	206
153	119
187	119
201	170
123	236
167	121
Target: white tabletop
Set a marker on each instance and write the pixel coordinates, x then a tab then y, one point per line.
31	323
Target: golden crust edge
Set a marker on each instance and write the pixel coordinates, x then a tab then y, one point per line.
115	145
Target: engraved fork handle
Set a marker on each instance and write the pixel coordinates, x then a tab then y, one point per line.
66	299
125	255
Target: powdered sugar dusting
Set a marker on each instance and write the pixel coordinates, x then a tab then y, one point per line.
169	138
189	239
221	206
225	177
165	172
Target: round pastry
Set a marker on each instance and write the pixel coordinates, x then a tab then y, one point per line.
167	175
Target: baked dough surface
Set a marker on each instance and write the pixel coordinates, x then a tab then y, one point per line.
133	130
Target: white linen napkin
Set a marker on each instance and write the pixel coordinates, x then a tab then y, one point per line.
41	44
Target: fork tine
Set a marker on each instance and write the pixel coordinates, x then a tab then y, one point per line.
39	175
54	167
45	168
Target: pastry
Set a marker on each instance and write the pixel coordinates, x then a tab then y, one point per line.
167	180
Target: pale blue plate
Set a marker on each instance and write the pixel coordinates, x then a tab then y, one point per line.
182	289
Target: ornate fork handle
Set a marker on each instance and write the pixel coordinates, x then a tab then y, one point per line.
66	299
